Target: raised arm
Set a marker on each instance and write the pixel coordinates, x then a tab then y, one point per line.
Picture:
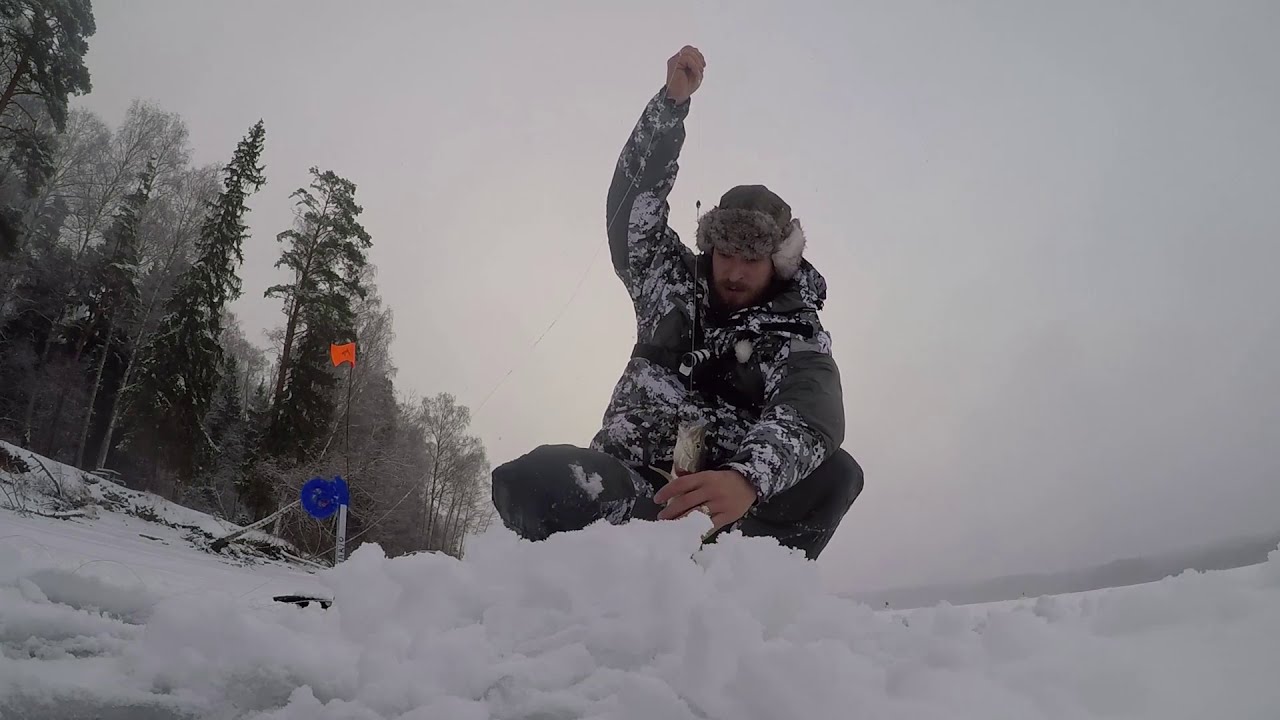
636	209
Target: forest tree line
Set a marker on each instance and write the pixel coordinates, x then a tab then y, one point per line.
119	259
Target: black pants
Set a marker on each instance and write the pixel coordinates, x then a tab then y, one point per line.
560	488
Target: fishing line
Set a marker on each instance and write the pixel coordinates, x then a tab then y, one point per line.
375	523
644	165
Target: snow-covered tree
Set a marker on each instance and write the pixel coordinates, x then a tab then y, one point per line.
29	165
452	478
115	296
183	364
251	360
222	461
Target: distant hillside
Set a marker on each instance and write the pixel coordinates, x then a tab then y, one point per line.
1129	571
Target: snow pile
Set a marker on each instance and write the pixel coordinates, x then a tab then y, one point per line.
53	489
621	622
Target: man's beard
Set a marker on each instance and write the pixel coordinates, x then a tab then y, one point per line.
732	297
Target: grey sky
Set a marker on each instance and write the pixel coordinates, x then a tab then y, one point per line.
1050	230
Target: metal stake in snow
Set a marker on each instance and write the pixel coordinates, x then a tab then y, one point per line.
340	549
321	498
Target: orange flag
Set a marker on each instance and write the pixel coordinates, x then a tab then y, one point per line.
343	353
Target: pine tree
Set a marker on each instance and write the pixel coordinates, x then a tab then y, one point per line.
326	253
42	48
183	364
304	412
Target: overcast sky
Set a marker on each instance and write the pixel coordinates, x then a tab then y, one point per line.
1051	230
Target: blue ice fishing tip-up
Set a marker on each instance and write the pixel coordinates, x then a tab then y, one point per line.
322	496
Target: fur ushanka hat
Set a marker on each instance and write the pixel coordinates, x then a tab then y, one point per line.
753	222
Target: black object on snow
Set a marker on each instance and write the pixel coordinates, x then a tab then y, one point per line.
303	600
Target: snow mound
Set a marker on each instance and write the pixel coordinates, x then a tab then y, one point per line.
629	623
55	490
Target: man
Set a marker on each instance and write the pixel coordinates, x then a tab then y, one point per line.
729	338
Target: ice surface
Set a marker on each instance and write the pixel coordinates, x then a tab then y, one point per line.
610	622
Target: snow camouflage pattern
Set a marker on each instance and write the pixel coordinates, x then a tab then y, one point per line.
780	414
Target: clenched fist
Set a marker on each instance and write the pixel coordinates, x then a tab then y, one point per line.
684	73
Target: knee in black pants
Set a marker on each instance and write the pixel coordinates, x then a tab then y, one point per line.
846	479
806	515
559	488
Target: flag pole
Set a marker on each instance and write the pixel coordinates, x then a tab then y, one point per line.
340	548
346	453
345	353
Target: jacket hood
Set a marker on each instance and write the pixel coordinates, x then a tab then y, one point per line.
806	290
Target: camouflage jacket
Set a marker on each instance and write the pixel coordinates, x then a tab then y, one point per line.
771	391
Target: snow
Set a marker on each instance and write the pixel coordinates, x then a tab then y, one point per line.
79	487
115	616
611	622
593	484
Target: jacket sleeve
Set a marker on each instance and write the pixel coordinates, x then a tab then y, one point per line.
803	421
636	209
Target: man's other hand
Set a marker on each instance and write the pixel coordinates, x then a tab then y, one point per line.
725	495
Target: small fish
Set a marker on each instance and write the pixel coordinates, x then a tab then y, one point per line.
690	453
691	448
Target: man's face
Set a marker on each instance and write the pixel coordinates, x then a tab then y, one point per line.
738	282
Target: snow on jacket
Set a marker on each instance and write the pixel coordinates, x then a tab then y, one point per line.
771	392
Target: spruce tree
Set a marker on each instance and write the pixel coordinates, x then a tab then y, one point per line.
183	363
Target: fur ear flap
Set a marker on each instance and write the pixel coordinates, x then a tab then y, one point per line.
786	259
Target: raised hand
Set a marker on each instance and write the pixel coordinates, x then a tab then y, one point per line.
684	73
